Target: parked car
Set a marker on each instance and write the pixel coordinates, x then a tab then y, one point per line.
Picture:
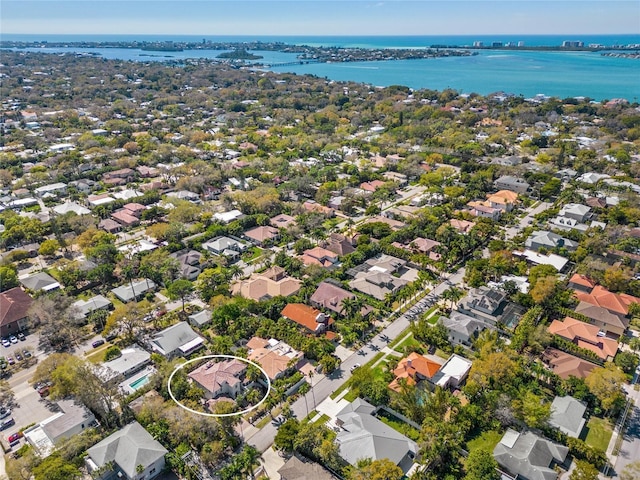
13	339
14	438
6	342
18	357
4	412
97	343
6	423
26	353
43	391
356	365
21	336
11	361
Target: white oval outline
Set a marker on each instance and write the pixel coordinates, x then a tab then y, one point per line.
218	415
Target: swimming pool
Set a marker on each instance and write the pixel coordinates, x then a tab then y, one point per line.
141	382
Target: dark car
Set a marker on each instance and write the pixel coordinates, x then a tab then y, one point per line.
18	356
6	423
26	353
97	343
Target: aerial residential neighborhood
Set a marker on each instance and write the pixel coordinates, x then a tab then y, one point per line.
217	272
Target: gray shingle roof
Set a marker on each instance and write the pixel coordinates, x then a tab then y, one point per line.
364	436
174	337
567	415
40	281
128	447
529	455
126	293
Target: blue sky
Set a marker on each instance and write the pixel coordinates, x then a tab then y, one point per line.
320	17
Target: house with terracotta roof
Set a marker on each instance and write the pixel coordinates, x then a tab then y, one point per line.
273	282
275	357
581	283
319	256
260	235
585	336
414	369
125	218
617	303
311	206
135	209
504	200
308	317
371	186
223	378
14	311
282	221
566	365
462	226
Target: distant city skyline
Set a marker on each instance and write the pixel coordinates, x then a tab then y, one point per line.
320	17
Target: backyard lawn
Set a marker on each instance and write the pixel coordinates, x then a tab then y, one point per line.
398	425
487	441
598	433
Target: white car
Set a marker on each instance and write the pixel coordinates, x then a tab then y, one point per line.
357	365
6	342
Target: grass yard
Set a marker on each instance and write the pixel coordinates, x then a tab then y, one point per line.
324	418
409	341
598	434
399	338
97	354
398	425
487	441
251	254
308	418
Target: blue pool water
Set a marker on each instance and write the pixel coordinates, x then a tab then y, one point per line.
141	382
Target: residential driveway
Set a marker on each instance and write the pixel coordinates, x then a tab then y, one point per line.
272	462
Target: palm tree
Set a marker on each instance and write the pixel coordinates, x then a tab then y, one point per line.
304	389
352	306
250	459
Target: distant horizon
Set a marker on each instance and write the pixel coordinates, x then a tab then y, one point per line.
622	34
320	17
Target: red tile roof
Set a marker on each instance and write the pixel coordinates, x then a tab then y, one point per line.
14	305
582	280
585	336
565	365
305	315
614	302
413	368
